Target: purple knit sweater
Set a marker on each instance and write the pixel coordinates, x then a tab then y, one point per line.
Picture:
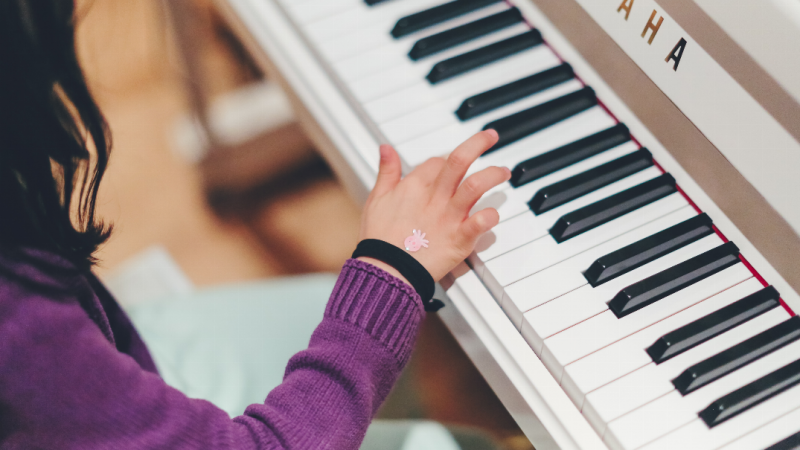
74	373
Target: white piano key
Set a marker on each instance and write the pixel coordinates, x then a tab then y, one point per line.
605	328
380	71
378	62
587	301
527	227
553	277
440	115
296	2
421	121
628	432
405	73
505	236
443	141
697	436
361	40
384	15
511	201
423	93
291	2
635	389
769	434
378	34
309	11
672	411
626	355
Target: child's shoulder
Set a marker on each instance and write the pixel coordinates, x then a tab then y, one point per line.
26	272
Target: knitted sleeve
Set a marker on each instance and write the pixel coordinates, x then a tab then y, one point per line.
63	384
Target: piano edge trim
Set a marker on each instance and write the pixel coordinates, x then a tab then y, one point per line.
478	319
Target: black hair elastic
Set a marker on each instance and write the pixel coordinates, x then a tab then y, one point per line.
407	265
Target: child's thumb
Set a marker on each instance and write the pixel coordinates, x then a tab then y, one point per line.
390	171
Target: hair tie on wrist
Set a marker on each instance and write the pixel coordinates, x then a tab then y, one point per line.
410	268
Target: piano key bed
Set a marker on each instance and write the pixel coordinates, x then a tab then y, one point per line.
651	321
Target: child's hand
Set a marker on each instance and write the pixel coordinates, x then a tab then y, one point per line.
433	199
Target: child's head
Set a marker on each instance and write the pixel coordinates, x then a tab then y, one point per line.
54	142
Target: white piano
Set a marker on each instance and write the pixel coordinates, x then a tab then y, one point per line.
638	292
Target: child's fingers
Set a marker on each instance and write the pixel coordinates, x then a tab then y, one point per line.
427	171
479	223
389	172
473	188
459	161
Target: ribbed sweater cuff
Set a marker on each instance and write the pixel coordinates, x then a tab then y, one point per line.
376	301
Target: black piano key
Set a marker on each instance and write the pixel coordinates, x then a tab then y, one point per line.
524	123
790	443
491	100
457	65
554	160
465	33
672	280
737	356
648	249
565	191
751	395
373	2
438	14
608	209
693	334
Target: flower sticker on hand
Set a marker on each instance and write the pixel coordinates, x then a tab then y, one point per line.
416	241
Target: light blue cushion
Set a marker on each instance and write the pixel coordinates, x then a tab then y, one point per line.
230	345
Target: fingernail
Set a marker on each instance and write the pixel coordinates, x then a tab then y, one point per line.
384	151
493	133
508	172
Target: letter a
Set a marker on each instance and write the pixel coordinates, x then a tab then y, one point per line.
676	54
626	5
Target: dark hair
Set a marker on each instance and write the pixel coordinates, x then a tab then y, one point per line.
54	141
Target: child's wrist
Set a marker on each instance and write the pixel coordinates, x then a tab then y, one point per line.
385	267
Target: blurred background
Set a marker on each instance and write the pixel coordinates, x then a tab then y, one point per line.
212	181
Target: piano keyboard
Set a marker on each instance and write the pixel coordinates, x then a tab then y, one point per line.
653	323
